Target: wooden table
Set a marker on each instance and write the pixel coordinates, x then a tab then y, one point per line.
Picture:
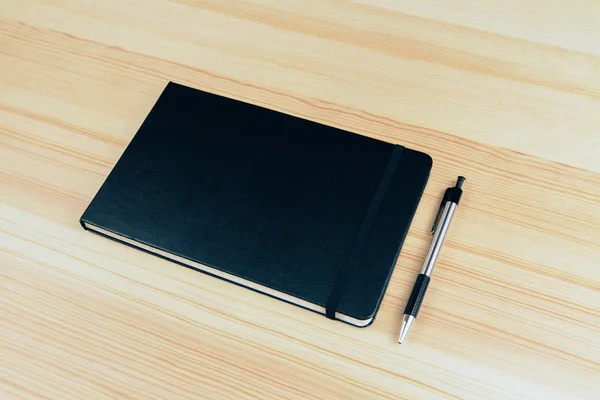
505	92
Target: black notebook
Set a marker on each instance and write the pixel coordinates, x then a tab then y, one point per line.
304	212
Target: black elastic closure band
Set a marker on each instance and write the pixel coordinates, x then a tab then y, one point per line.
351	261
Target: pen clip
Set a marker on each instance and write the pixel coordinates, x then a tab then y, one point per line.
439	213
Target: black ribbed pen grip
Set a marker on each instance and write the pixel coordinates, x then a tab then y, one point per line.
417	295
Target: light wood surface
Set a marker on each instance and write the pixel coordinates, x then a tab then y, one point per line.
505	92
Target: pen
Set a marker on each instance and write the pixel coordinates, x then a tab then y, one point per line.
439	230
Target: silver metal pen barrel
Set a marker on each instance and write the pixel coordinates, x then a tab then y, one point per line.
439	230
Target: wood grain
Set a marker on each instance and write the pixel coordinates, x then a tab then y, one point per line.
506	93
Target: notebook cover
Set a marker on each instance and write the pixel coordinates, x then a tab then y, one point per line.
262	195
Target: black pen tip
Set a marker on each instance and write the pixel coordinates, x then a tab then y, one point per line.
460	181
